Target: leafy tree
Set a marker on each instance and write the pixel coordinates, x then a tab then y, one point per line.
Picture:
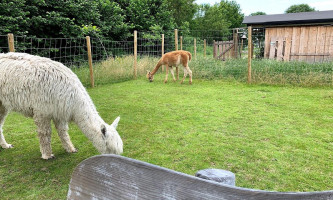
13	17
258	13
77	18
47	18
182	10
221	16
299	8
232	12
198	17
61	18
215	19
144	14
113	20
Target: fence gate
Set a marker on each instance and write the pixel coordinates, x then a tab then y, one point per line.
224	50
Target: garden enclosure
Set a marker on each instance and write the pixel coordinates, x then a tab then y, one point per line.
74	52
209	49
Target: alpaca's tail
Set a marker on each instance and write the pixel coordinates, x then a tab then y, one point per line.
189	56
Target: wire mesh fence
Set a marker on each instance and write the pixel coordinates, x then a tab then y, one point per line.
103	49
70	51
73	51
4	44
218	54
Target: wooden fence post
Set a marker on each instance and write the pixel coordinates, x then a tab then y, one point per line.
181	42
135	54
162	50
195	48
176	39
205	45
235	38
249	58
11	42
241	48
214	49
90	62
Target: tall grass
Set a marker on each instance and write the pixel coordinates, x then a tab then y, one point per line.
294	73
264	71
115	70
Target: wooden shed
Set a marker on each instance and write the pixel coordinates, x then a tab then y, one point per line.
306	36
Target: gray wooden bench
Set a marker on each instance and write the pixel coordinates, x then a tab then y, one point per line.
118	177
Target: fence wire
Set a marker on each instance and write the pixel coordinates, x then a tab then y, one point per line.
103	49
226	50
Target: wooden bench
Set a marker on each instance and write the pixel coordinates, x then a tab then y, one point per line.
118	177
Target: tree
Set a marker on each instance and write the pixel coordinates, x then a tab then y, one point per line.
232	12
113	20
258	13
144	14
221	16
199	15
14	17
46	18
61	18
299	8
182	10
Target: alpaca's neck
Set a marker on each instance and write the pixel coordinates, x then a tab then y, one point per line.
159	64
89	121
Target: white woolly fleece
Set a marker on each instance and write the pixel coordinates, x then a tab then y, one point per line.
41	88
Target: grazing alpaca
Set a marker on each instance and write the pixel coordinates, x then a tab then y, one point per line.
173	58
47	90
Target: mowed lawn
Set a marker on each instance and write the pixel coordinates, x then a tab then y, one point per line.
272	138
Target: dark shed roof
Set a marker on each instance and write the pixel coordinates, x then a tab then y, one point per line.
291	18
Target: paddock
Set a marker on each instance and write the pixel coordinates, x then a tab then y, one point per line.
273	138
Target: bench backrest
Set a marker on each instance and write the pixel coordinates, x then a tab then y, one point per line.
118	177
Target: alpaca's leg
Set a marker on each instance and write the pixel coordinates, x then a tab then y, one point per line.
189	73
62	128
166	73
173	74
177	72
44	133
3	114
185	74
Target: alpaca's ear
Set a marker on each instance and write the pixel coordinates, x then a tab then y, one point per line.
115	122
103	129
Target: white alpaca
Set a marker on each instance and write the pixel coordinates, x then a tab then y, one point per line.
47	90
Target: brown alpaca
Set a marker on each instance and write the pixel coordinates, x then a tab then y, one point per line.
173	58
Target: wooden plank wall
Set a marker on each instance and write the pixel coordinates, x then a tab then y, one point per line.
306	43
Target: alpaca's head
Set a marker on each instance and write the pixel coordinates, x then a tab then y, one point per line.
150	76
112	143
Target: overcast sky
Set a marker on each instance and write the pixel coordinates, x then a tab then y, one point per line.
274	6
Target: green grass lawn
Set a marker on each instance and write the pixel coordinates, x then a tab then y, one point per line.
272	138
